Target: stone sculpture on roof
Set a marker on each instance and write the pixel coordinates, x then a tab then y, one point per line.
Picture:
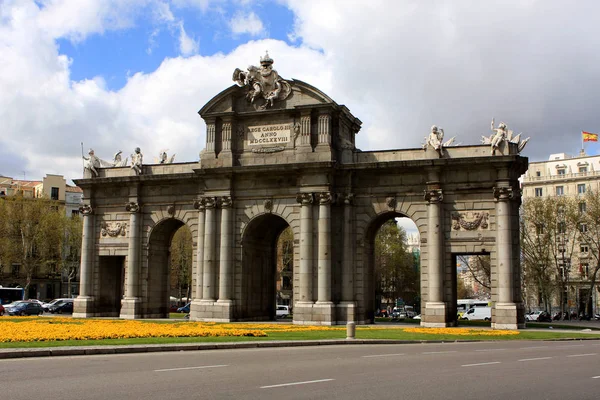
136	161
92	162
264	84
503	134
435	140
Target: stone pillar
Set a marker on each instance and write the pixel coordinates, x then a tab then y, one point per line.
208	291
305	130
306	247
210	136
347	307
226	262
226	135
194	308
324	129
130	305
505	316
324	261
83	304
435	308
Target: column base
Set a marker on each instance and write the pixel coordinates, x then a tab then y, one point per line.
83	307
320	313
212	311
130	308
346	312
435	315
506	316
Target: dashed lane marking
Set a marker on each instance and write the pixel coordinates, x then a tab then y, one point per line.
535	359
583	355
296	383
478	364
184	368
384	355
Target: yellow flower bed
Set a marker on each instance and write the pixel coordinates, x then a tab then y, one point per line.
49	329
461	331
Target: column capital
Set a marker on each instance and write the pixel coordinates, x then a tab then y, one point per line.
502	193
348	198
225	202
86	210
209	202
305	199
434	195
132	207
325	198
199	204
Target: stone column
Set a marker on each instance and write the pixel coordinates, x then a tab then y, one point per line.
305	130
324	261
435	308
83	304
348	260
87	251
324	129
226	136
208	292
306	247
130	305
199	205
504	252
226	262
210	136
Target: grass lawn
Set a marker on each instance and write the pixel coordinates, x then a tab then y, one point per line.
275	333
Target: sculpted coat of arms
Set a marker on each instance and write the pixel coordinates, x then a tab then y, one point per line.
263	83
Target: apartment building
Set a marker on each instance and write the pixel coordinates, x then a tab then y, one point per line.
564	175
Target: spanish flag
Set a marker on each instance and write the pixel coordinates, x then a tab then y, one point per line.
589	137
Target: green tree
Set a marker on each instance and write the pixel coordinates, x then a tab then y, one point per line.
181	262
396	275
32	233
73	230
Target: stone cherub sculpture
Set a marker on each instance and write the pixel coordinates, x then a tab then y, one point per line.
263	82
92	162
503	134
435	140
118	161
136	161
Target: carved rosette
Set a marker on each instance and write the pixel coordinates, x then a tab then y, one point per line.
225	202
132	207
113	229
268	205
434	196
391	202
305	199
171	210
503	193
86	209
470	221
325	198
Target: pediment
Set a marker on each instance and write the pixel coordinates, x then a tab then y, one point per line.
235	100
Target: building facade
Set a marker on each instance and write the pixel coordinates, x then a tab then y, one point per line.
564	175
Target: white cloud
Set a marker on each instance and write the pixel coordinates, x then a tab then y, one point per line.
248	23
187	45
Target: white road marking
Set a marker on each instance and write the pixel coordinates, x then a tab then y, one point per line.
475	365
596	377
583	355
491	350
535	359
384	355
438	352
184	368
535	347
570	345
296	383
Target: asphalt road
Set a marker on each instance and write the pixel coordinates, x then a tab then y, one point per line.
485	370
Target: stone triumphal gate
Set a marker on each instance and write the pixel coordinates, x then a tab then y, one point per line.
282	153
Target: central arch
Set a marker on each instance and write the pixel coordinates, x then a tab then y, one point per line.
259	267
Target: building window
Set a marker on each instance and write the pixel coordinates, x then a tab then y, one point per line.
563	271
584	270
539	229
560	190
581	188
582	169
561	171
582	207
16	268
538	192
583	228
74	213
287	283
538	173
54	193
584	248
562	227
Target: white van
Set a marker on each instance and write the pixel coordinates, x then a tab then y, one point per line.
282	311
484	313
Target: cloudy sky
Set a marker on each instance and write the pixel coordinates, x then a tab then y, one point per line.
116	74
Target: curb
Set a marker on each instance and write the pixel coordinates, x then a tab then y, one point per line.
150	348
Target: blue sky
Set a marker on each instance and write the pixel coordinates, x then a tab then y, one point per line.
120	74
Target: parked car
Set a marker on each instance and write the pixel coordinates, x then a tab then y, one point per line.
185	309
544	317
46	306
475	313
282	311
9	306
1	310
64	307
418	316
26	308
532	316
399	314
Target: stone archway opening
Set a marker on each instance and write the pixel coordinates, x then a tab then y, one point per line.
393	267
159	280
472	276
266	271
